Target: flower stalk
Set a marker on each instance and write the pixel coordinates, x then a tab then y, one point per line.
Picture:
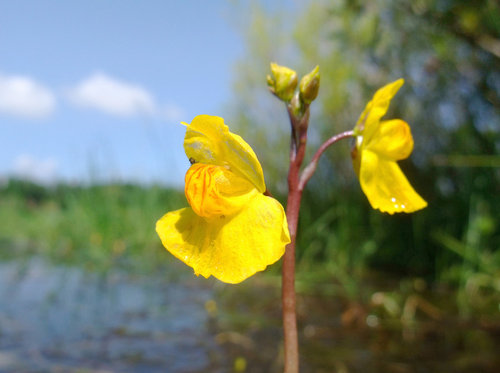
297	181
311	167
298	113
297	152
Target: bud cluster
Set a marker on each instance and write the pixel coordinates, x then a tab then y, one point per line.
283	82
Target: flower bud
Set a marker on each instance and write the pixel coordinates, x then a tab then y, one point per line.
309	86
283	82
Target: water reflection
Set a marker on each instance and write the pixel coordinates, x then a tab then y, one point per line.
64	319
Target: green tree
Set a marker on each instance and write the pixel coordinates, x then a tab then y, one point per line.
449	54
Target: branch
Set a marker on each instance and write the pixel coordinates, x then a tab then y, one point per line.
311	167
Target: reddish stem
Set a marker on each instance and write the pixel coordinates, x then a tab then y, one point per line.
291	346
297	153
311	167
296	184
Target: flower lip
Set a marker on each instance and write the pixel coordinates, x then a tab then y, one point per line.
226	248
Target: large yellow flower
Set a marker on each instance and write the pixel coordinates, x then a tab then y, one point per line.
231	230
379	144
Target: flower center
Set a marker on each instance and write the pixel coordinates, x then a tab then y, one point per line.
215	191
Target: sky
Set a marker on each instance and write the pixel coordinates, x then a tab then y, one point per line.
94	91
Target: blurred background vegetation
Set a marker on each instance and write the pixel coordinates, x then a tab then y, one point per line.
448	52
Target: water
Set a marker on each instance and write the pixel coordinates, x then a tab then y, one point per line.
55	318
65	319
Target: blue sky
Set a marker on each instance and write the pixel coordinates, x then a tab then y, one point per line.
95	89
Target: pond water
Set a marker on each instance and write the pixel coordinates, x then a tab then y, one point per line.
65	319
55	318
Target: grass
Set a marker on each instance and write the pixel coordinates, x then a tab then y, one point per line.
341	243
96	227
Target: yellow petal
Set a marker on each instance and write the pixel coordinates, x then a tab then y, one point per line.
228	248
385	185
392	140
209	141
376	109
214	190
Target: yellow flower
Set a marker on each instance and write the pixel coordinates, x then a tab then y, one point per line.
379	144
232	230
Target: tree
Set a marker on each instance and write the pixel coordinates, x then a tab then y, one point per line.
449	54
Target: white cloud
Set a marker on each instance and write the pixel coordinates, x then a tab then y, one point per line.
24	97
115	97
43	171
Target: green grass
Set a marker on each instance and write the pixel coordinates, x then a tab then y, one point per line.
95	227
341	242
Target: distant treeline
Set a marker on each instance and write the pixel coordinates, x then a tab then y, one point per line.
98	225
94	226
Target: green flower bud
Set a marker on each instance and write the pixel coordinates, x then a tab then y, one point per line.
283	82
309	86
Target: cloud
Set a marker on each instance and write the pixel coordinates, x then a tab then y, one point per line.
24	97
115	97
43	171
